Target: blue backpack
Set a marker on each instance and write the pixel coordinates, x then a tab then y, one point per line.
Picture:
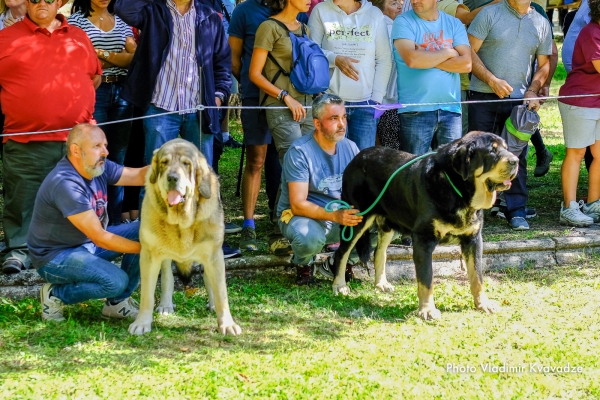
310	68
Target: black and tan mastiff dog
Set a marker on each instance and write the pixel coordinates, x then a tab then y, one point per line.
182	220
437	199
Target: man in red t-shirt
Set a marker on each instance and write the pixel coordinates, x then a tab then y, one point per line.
48	75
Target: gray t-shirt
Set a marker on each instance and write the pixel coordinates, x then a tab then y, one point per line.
63	193
510	45
306	161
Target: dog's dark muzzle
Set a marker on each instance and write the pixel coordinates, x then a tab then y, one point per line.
172	181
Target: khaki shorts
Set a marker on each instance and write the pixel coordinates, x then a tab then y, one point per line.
581	125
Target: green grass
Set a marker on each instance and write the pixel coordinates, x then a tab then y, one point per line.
303	342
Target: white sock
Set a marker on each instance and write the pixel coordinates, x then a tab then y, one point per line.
226	136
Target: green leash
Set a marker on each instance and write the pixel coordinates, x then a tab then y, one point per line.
345	206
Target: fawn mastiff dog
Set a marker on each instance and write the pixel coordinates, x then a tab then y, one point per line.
182	220
437	199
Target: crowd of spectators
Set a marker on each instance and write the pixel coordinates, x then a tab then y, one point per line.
115	59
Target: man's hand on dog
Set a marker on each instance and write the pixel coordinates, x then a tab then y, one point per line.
348	217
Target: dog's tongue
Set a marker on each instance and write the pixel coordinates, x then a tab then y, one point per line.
173	197
507	182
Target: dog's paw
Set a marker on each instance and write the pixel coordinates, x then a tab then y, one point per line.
341	289
488	306
140	327
229	328
429	314
384	287
165	309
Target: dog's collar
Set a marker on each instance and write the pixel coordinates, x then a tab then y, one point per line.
452	184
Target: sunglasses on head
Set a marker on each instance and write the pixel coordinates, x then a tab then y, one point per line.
37	1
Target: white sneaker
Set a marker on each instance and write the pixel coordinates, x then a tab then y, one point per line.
128	308
592	210
573	216
52	307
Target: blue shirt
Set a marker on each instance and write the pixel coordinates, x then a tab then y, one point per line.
245	20
306	161
582	18
63	193
430	85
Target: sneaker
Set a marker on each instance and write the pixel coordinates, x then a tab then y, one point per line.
52	307
324	268
573	216
230	227
12	266
305	275
128	308
542	164
518	224
231	142
529	212
280	246
592	210
230	252
248	240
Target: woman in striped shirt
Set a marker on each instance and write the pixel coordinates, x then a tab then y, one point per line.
113	40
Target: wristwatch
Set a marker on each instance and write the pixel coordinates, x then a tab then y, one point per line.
105	55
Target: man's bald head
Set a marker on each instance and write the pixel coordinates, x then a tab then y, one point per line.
86	149
79	134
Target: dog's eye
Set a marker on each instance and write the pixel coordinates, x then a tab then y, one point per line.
187	163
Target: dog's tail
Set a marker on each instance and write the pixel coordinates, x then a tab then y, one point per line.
184	271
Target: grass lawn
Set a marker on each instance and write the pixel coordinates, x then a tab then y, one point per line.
305	343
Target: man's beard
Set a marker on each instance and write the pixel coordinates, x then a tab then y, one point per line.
336	135
95	169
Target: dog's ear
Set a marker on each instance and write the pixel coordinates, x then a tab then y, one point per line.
154	168
203	179
461	161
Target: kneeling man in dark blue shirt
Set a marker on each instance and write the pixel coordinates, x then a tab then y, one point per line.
70	241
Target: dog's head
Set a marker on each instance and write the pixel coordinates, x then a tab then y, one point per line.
180	172
483	158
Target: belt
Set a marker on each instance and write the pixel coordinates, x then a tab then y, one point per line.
113	78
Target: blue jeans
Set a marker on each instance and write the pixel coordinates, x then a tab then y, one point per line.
362	126
86	272
420	130
159	130
308	236
111	107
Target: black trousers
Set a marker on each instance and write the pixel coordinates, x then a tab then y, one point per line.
490	117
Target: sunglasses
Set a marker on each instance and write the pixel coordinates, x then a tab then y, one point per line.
38	1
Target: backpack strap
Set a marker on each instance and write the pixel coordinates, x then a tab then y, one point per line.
274	61
225	12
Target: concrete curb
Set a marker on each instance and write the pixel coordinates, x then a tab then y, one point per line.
446	261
